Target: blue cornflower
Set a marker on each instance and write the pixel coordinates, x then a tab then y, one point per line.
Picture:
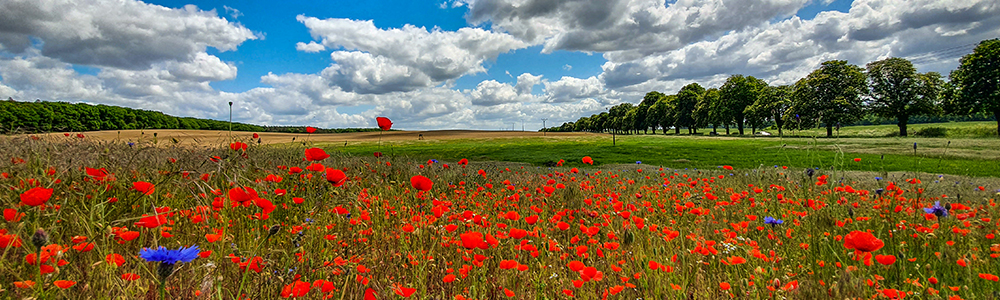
170	256
937	209
434	160
638	162
772	221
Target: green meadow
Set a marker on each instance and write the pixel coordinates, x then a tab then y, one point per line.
961	154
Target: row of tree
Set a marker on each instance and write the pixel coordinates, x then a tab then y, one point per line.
44	116
836	94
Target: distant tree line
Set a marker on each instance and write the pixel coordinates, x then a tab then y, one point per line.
836	94
45	116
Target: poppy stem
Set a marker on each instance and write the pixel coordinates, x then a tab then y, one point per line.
347	280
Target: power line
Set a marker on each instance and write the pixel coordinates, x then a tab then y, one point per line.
942	54
942	51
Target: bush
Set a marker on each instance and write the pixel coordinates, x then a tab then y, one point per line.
931	132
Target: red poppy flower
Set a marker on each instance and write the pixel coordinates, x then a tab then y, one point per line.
378	154
316	154
472	240
335	176
130	276
11	215
9	240
892	294
238	146
98	175
152	221
64	284
36	196
405	292
316	167
310	129
588	160
857	160
370	294
421	183
862	241
255	135
724	286
508	293
989	277
115	259
384	123
885	259
295	289
242	194
143	187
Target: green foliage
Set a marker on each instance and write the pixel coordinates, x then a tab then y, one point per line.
771	105
656	110
43	116
830	95
932	132
684	107
977	80
896	90
738	93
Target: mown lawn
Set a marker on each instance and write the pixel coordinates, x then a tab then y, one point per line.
970	157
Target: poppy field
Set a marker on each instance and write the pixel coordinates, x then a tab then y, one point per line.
90	219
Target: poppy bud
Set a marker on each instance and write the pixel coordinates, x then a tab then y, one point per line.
274	230
40	238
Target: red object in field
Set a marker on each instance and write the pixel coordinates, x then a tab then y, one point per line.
384	123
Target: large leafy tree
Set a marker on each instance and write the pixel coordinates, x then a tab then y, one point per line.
617	115
738	93
687	100
830	95
896	90
661	113
641	119
977	80
772	104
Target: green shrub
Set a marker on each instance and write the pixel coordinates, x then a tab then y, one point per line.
931	132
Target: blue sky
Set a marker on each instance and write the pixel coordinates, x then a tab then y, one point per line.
449	64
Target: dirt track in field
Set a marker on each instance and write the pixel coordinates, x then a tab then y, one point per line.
215	137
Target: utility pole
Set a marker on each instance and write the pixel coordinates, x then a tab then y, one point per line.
230	121
543	126
522	125
613	142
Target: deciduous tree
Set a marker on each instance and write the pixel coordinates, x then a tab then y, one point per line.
978	80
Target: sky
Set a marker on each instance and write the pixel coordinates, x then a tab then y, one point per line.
449	64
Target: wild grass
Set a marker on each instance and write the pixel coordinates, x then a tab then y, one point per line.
377	232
